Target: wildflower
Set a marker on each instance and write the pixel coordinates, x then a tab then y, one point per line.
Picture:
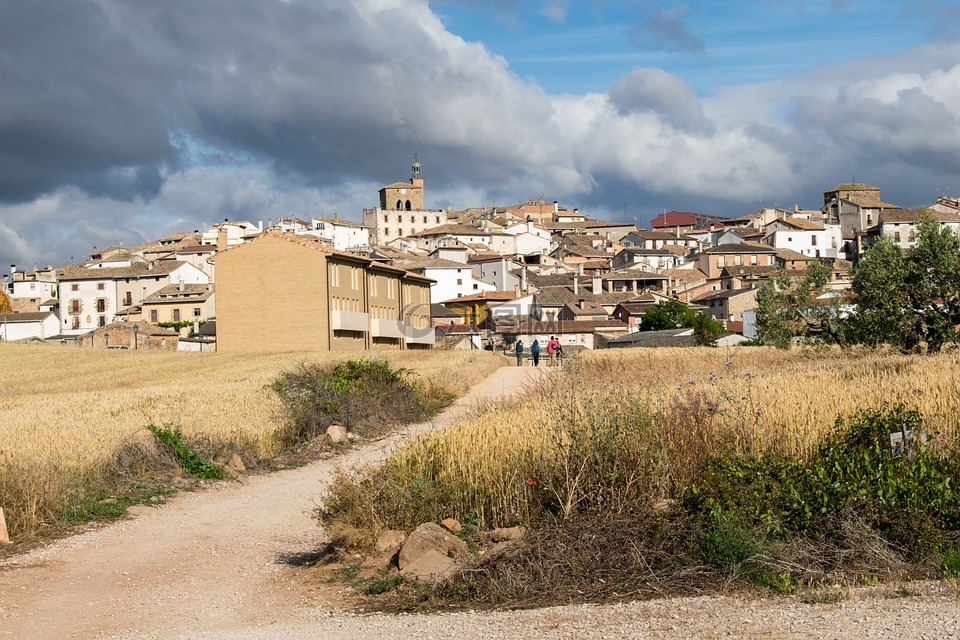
533	482
691	381
712	375
679	386
748	374
728	364
759	412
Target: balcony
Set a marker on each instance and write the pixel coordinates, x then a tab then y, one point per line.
386	328
420	335
350	321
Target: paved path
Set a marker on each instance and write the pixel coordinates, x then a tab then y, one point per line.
204	561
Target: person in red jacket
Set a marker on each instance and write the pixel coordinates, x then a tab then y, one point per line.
553	346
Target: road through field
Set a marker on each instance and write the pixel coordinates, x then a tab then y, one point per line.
207	565
205	560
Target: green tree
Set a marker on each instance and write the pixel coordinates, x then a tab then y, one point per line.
673	314
788	306
910	299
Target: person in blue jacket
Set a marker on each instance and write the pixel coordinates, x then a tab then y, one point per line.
535	352
519	353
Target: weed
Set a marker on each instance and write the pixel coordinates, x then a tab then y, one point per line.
729	544
903	592
778	582
193	463
950	563
383	581
104	506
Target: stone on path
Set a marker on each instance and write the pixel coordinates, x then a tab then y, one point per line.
390	540
4	534
430	565
431	537
338	434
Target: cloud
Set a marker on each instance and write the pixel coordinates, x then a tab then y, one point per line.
665	30
554	11
661	93
122	121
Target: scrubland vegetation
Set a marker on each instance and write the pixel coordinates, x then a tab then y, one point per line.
681	470
73	423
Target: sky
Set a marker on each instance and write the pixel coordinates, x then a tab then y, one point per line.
124	120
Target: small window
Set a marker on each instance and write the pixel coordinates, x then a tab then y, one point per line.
75	287
101	321
459	280
100	286
438	219
176	315
101	305
196	312
813	240
153	315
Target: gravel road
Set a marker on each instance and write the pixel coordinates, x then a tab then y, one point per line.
205	565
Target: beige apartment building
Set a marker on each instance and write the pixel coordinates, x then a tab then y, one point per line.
282	292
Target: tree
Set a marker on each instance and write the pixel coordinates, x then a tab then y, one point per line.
673	314
910	299
788	306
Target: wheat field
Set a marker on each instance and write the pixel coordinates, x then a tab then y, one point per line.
640	421
66	412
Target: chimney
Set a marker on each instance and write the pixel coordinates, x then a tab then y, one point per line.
260	225
576	284
13	269
181	286
580	302
597	285
556	207
221	239
523	278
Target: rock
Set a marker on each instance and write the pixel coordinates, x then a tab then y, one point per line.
507	534
139	510
107	501
451	524
390	541
4	534
430	566
431	537
338	434
236	464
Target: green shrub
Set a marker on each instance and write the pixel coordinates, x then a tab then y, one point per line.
950	563
365	395
192	462
728	544
910	499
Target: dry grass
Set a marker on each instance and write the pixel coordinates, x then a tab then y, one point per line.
631	427
68	416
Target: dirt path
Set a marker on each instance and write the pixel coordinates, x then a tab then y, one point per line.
205	560
205	565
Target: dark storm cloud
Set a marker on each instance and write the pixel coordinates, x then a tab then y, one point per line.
662	93
665	30
78	101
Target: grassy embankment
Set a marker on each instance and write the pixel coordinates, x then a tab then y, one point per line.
655	471
72	422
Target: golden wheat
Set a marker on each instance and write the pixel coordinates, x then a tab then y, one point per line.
653	415
64	412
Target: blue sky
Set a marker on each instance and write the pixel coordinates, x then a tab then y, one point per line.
579	47
124	121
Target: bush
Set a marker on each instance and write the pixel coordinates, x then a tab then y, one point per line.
910	499
365	395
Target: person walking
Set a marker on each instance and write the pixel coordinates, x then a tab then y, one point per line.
519	353
552	347
535	352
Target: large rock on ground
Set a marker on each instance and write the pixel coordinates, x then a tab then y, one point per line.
431	537
338	434
430	566
390	540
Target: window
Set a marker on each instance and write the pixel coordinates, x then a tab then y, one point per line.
153	315
100	286
896	236
400	219
176	315
75	306
424	219
459	280
737	260
385	218
438	219
869	218
128	298
75	287
33	286
101	305
101	321
76	322
196	312
753	260
813	240
721	262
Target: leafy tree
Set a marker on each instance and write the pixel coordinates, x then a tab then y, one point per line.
673	314
910	299
787	306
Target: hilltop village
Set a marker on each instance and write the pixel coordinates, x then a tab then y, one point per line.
409	277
